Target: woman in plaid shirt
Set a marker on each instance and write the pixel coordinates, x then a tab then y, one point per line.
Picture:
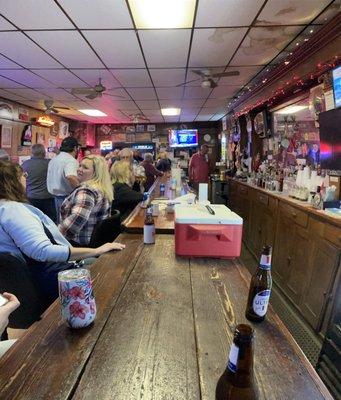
89	203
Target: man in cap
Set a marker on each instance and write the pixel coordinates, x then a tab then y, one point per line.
62	172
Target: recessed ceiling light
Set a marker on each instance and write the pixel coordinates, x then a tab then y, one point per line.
170	111
159	14
291	109
93	113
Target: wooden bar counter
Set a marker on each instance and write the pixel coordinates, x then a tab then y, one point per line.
163	331
164	223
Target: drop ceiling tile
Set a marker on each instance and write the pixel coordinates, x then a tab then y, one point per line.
103	14
290	12
224	92
187	118
133	77
9	95
91	77
227	13
214	47
29	94
61	77
147	104
68	47
26	78
204	117
170	92
218	116
196	92
120	94
189	103
6	63
263	44
35	14
22	50
170	103
215	103
165	48
168	77
172	119
330	12
245	75
118	49
125	104
142	93
7	83
151	113
5	25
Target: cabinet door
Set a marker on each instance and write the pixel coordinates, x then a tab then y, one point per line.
300	264
281	264
255	229
325	259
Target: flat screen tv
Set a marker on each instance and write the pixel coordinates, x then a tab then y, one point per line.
183	137
330	139
337	86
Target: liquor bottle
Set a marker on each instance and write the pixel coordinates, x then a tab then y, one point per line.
149	227
260	288
162	189
237	381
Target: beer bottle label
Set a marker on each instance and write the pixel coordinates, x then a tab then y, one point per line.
265	262
233	357
261	302
149	234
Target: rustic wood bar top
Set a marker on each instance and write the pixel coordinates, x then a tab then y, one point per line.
163	331
164	223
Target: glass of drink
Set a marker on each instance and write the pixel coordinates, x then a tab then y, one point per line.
76	297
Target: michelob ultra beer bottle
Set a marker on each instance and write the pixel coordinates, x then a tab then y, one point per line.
260	288
237	381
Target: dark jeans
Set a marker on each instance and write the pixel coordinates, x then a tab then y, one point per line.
47	206
58	201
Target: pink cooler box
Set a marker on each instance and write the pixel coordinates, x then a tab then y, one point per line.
198	233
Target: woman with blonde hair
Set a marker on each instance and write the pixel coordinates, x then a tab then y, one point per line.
27	233
89	203
122	178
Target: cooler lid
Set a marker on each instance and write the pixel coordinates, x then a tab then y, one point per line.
199	214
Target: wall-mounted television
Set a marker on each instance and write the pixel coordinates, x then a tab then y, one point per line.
330	140
183	137
337	86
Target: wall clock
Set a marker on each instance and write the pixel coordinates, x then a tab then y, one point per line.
207	137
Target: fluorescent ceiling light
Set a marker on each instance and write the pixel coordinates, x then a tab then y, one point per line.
170	111
291	109
93	113
159	14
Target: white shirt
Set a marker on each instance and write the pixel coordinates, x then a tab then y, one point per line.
61	166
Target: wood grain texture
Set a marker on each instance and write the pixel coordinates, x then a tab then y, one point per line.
164	223
148	349
281	370
46	363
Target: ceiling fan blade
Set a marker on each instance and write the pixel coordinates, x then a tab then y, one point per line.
113	95
227	73
200	73
82	91
185	83
54	110
92	95
62	108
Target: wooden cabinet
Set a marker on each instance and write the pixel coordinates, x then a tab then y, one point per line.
306	252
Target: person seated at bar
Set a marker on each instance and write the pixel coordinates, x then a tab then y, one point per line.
27	232
5	310
164	164
151	171
125	198
89	203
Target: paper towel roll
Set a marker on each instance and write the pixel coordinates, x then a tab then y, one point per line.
203	192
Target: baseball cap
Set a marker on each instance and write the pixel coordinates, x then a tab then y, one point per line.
69	143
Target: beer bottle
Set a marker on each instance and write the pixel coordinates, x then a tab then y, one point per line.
260	288
237	381
149	227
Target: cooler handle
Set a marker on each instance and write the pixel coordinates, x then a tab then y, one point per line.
195	231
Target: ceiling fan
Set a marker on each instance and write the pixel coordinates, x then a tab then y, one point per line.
93	92
207	77
136	118
50	109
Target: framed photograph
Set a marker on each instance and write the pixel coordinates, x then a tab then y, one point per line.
139	128
6	136
63	130
40	138
130	129
151	128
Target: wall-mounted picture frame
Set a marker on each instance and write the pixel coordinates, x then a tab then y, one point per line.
139	128
40	138
130	129
151	128
63	130
6	136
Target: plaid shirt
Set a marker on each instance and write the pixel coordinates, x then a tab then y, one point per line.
81	211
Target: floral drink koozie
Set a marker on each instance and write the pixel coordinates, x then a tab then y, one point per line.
76	297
